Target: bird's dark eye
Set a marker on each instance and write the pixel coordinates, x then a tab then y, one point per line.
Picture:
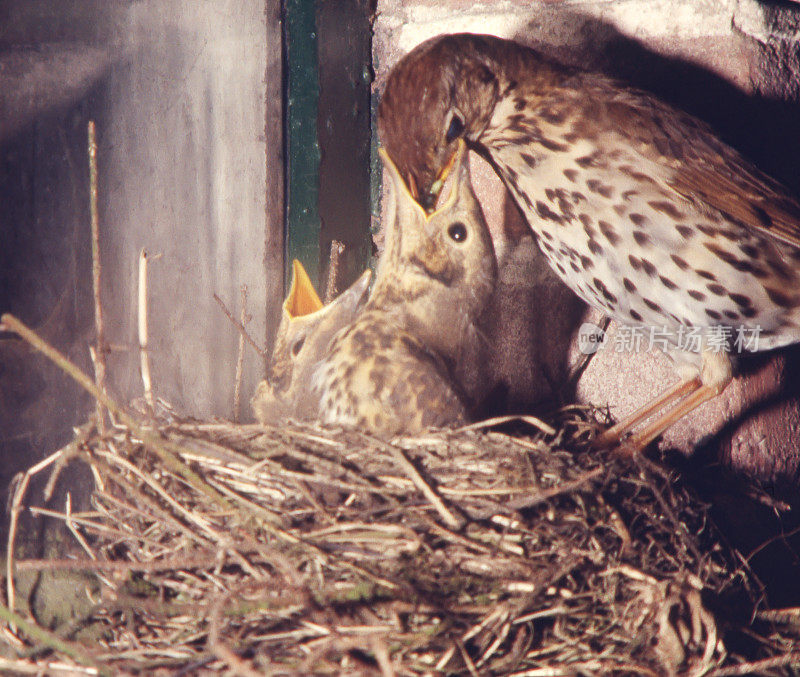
297	346
457	232
455	129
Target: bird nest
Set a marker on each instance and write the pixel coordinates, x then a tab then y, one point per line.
253	550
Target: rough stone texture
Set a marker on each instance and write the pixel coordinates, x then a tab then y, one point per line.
733	63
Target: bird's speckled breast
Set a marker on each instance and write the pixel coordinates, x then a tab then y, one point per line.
616	233
380	377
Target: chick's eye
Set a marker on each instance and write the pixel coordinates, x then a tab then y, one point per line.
297	346
454	129
457	232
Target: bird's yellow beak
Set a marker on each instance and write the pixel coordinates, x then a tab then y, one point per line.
427	201
302	298
436	186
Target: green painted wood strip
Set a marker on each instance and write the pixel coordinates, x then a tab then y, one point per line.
302	145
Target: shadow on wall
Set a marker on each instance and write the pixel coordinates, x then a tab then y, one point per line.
45	280
764	129
524	356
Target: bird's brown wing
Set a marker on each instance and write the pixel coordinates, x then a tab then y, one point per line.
706	170
731	185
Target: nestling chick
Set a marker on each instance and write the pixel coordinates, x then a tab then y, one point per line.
391	371
302	340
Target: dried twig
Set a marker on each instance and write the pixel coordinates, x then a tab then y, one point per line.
758	667
98	353
333	270
789	615
237	390
164	450
144	358
117	566
446	514
500	420
330	558
20	489
215	643
240	327
557	490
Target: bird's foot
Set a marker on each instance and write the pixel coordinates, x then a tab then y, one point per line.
608	439
620	443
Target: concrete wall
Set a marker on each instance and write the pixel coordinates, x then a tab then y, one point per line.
186	95
733	63
187	100
184	177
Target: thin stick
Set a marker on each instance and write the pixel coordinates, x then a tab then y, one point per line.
758	667
499	420
237	390
333	270
68	453
467	660
168	452
787	615
176	564
577	371
240	327
222	650
16	508
99	353
144	359
552	492
73	528
413	474
381	653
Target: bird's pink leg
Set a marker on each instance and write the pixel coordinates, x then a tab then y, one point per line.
640	440
615	433
715	375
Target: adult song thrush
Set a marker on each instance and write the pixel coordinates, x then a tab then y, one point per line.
639	208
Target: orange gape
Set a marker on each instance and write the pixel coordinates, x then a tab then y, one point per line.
303	298
306	328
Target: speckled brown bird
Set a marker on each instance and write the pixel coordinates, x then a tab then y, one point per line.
391	371
639	208
301	341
